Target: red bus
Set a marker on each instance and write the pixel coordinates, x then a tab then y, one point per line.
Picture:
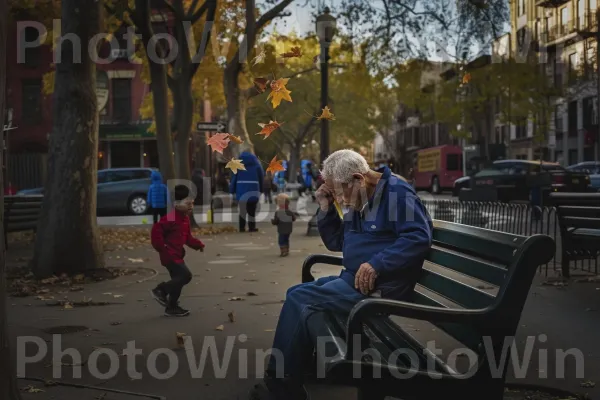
438	167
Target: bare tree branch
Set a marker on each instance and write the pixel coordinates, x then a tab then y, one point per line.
272	13
198	14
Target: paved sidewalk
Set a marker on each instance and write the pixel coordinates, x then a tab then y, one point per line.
242	274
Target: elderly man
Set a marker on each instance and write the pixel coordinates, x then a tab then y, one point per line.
384	237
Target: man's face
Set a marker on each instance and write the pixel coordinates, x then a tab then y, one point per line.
185	206
351	194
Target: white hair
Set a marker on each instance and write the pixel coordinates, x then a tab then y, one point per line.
341	165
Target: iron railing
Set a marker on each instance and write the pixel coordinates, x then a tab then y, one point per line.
519	219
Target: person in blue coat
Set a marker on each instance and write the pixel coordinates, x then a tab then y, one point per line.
384	241
157	198
247	187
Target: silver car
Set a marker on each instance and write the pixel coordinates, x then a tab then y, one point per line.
119	189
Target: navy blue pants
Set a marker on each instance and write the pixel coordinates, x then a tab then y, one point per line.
292	346
284	240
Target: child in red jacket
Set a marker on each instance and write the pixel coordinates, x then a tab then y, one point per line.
168	237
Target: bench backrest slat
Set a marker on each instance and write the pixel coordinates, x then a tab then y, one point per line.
580	211
468	265
581	222
458	292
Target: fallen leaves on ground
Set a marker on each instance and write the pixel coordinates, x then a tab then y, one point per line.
268	129
555	283
326	114
251	294
220	328
269	330
231	316
236	299
32	389
235	165
136	260
588	279
218	142
227	277
279	92
275	166
295	52
588	384
180	337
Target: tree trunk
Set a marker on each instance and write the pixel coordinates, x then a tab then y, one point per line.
8	384
67	238
294	161
184	124
160	98
236	109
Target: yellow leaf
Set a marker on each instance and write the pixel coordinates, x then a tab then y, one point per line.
68	306
236	139
279	92
326	114
260	58
235	165
220	328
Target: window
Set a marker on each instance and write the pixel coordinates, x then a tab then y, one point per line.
572	126
32	54
31	112
580	13
521	129
121	89
590	62
453	162
145	174
521	39
564	18
521	7
558	122
573	66
121	175
590	112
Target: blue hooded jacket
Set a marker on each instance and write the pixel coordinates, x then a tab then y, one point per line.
393	233
247	185
157	193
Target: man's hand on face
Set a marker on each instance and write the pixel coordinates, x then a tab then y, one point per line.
365	279
325	197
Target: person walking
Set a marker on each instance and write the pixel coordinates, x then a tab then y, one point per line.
247	185
157	196
301	182
268	188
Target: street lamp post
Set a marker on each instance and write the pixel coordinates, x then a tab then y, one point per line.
326	25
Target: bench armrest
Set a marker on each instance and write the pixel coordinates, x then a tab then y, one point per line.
370	307
318	259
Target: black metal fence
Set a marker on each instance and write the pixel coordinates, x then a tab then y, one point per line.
520	219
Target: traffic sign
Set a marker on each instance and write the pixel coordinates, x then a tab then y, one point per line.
211	127
470	148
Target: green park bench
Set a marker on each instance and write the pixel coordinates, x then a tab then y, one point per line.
21	213
453	293
579	222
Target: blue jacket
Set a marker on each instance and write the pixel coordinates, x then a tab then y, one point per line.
393	233
247	185
157	193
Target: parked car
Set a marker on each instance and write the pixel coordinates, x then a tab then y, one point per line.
513	179
592	168
437	168
462	182
119	189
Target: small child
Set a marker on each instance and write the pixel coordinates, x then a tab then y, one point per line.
284	219
157	196
168	237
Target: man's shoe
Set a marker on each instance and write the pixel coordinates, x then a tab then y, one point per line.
160	296
176	312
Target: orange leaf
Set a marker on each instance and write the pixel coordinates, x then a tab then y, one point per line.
235	139
261	84
326	114
275	165
279	92
218	142
466	78
267	129
295	52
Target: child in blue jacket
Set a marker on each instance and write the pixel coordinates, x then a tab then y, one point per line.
157	196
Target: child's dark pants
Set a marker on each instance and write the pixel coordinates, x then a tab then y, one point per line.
156	212
180	276
284	240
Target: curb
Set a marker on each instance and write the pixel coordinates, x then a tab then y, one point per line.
75	385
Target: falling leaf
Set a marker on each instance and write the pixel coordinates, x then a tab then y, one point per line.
279	92
234	165
235	139
136	260
260	58
231	316
295	52
326	114
236	299
466	78
180	336
267	129
220	328
261	84
227	277
275	165
219	142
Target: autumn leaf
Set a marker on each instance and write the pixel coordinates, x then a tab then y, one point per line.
275	165
68	306
231	316
260	58
180	336
261	84
279	92
326	114
235	165
219	142
235	139
295	52
32	389
220	328
466	78
267	129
